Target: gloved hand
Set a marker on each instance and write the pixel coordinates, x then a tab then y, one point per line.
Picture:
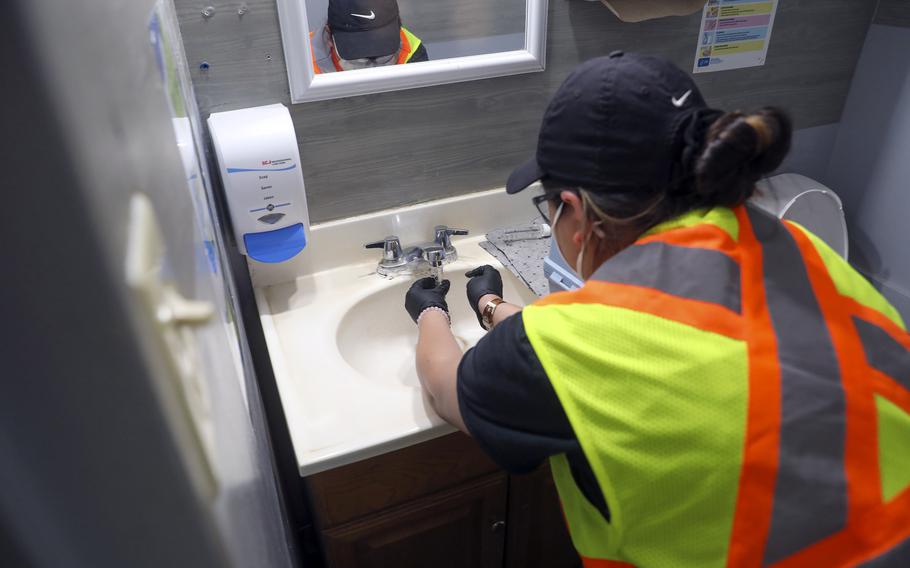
426	294
483	280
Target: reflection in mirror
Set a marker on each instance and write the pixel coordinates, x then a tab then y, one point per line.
356	34
452	40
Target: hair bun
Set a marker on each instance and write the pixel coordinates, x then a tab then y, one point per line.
739	149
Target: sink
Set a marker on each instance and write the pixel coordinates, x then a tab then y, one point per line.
340	343
377	337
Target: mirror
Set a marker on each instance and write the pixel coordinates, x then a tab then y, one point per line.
342	48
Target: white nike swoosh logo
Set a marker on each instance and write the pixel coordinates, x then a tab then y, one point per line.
678	103
372	15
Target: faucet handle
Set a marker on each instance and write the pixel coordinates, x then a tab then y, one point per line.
391	248
443	233
435	255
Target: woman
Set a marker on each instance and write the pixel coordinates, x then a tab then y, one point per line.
724	390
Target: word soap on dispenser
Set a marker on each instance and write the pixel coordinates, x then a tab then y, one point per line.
260	167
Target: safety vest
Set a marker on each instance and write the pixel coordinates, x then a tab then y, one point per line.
742	396
325	60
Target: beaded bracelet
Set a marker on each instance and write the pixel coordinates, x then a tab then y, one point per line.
435	309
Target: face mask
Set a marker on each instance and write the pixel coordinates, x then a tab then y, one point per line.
366	63
579	260
567	278
595	230
351	65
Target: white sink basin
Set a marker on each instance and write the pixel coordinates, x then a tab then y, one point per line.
341	343
376	336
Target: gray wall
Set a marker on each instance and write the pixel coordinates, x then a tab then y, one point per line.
371	152
893	13
810	153
869	165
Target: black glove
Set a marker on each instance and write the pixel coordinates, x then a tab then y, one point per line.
426	294
483	280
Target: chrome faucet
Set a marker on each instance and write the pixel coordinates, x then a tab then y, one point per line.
417	258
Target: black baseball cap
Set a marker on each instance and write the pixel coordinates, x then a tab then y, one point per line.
613	124
364	28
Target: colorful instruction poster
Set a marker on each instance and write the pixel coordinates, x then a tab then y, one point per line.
734	34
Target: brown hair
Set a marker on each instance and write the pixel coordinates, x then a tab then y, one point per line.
738	151
725	161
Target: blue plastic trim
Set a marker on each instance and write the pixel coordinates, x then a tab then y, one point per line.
238	170
276	246
559	277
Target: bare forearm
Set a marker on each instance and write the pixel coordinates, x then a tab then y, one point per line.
438	356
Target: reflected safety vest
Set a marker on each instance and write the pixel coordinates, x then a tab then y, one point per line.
742	396
326	60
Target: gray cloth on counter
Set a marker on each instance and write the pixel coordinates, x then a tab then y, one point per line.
521	253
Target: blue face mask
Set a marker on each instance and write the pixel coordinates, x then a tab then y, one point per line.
560	276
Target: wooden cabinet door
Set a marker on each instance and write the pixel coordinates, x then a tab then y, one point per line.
463	527
537	532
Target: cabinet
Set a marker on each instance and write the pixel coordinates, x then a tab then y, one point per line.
537	533
457	528
438	504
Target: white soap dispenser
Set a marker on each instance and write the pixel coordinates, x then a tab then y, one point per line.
260	167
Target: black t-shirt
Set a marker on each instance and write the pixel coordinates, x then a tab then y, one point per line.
511	409
420	55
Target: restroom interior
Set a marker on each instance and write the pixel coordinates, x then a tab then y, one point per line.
465	137
367	161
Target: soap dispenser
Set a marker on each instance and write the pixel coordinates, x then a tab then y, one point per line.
259	164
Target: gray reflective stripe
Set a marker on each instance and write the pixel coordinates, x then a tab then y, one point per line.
321	52
810	494
692	273
883	352
899	556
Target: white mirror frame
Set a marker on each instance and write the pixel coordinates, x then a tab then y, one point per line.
306	86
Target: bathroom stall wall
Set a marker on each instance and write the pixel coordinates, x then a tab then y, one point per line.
372	152
893	13
869	166
100	461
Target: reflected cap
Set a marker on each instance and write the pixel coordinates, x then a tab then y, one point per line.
364	28
614	124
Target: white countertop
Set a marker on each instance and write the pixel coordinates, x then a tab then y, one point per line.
340	341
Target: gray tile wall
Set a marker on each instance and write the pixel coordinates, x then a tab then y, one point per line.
893	13
372	152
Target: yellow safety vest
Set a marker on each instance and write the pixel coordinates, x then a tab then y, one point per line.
742	396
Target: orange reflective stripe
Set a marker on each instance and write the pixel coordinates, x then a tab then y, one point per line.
890	389
754	501
882	529
405	52
335	60
877	318
702	315
898	555
860	447
704	235
602	563
883	351
316	68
